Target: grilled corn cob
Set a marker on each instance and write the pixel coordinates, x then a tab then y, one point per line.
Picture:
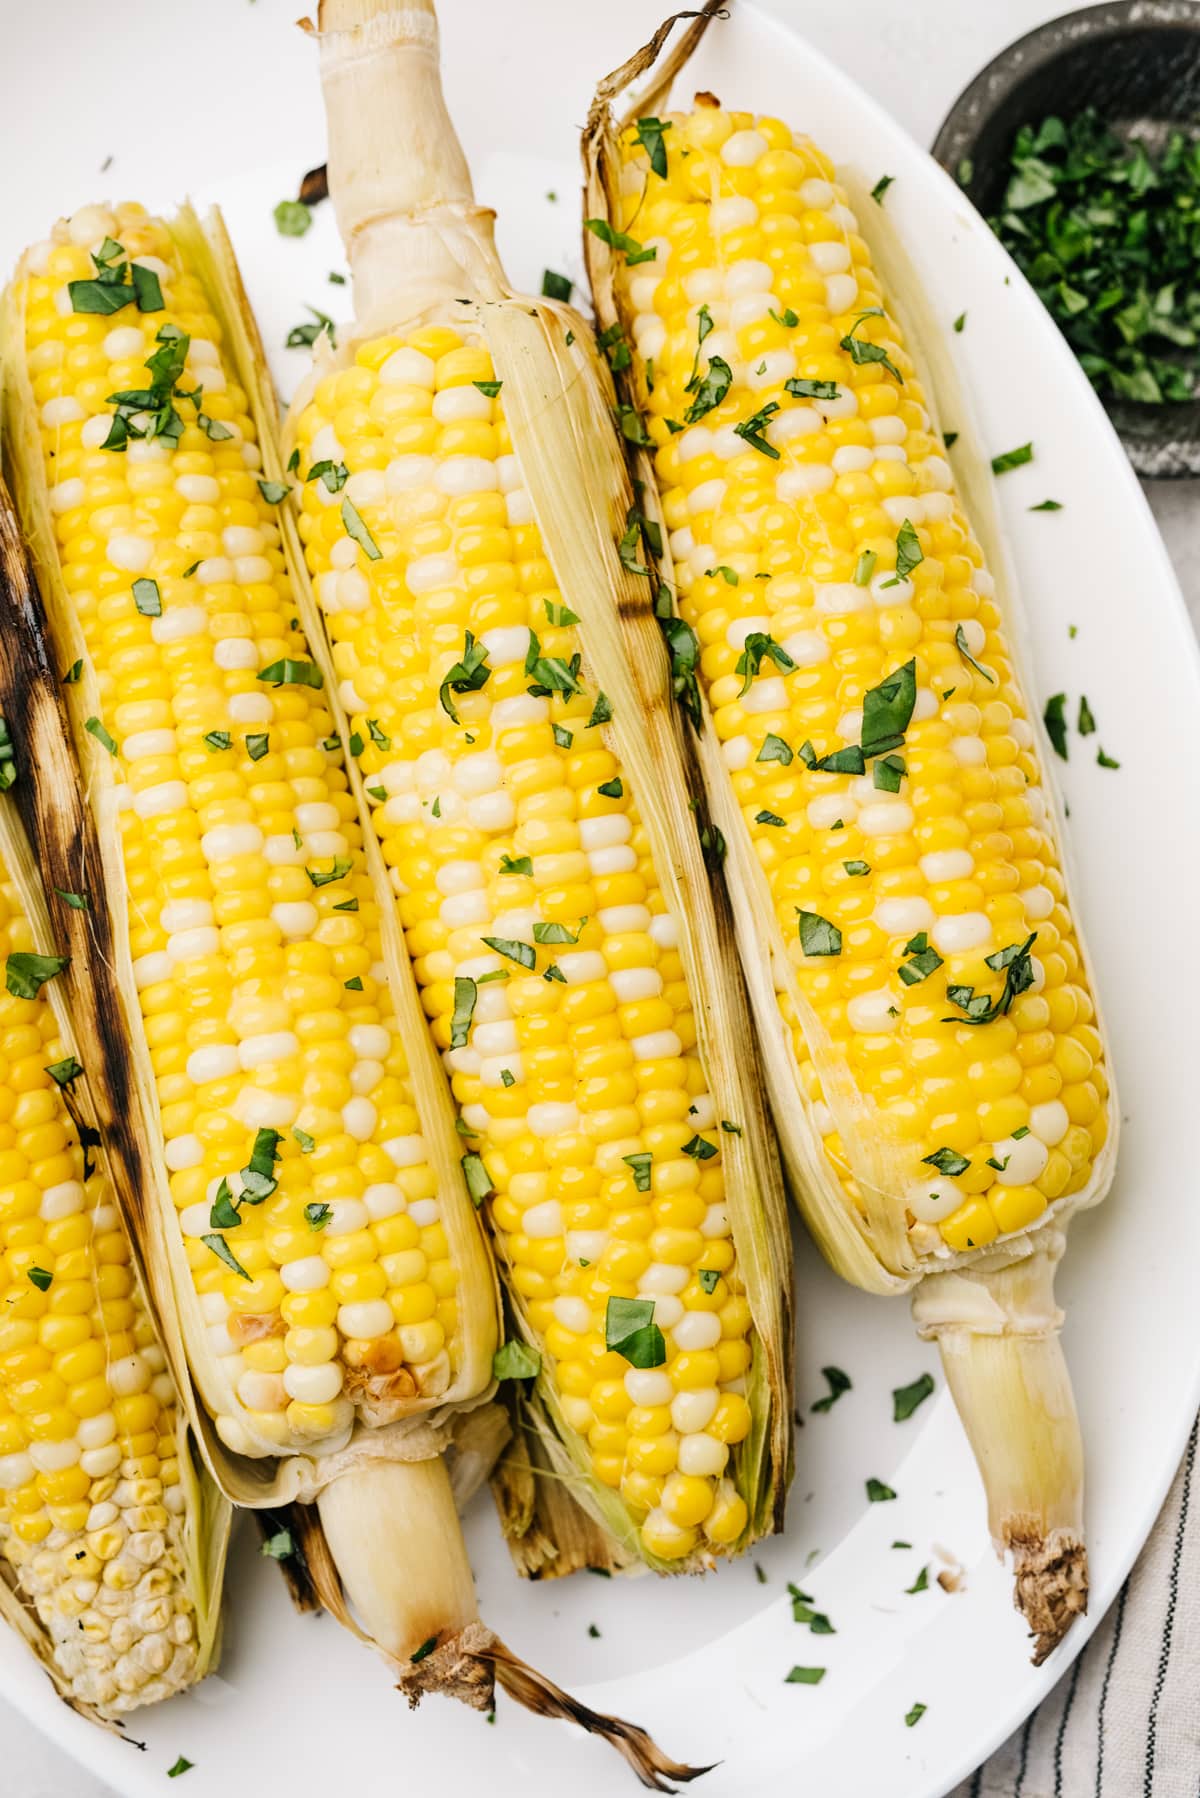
112	1541
528	793
308	1213
936	1063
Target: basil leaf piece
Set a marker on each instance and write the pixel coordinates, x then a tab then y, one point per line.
522	953
817	935
515	1360
905	1399
629	247
650	136
862	352
480	1184
465	994
888	709
878	1493
218	1246
292	218
630	1331
1014	458
555	286
25	974
838	1383
289	673
1055	721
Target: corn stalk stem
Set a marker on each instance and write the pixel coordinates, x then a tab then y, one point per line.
997	1327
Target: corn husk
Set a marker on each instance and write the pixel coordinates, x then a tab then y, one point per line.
421	251
992	1313
33	715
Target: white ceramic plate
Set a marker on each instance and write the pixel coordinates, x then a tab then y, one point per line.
297	1704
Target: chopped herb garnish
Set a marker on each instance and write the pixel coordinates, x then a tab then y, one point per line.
555	286
76	901
323	877
629	247
758	648
947	1161
865	567
915	1715
307	1142
279	1547
304	336
273	491
63	1072
751	430
838	1382
640	1164
909	554
424	1650
959	322
522	953
699	1148
805	1676
1014	458
856	867
708	1277
218	1246
1055	721
950	438
182	1765
354	985
516	864
817	935
888	709
97	730
862	351
25	974
601	712
289	673
711	390
920	1584
559	615
960	643
728	575
292	218
147	598
507	1077
1085	724
1105	761
258	744
467	675
650	136
768	818
881	187
74	674
774	749
811	390
612	789
630	1331
803	1613
877	1492
1047	505
489	389
1016	965
905	1399
515	1360
41	1279
352	519
218	739
480	1184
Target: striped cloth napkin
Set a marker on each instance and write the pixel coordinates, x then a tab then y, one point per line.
1124	1720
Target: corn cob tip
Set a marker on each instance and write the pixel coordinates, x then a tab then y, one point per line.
1051	1584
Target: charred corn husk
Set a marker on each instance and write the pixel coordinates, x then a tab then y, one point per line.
296	1171
472	539
112	1540
936	1063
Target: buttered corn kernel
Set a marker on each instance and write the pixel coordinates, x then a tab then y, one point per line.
525	883
843	611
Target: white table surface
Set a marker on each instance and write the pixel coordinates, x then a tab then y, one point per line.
914	58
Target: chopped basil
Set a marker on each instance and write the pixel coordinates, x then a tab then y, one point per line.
515	1360
307	1143
332	475
218	1246
1014	458
323	877
905	1399
480	1184
838	1382
554	972
683	649
74	674
353	985
856	868
751	430
522	953
650	136
182	1765
805	1676
629	247
915	1714
759	647
25	974
630	1331
768	818
467	675
76	901
1105	761
258	744
289	673
601	712
711	390
1017	967
960	321
352	519
556	933
516	864
920	1584
640	1164
1047	505
507	1077
1086	724
147	598
947	1161
811	390
960	643
774	749
708	1277
304	336
950	438
279	1547
881	187
1055	721
877	1492
218	739
559	614
817	935
555	286
699	1149
888	773
861	351
888	709
63	1072
424	1650
97	730
489	389
612	789
802	1612
41	1279
274	491
465	994
924	961
909	554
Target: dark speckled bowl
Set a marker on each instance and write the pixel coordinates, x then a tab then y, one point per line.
1138	63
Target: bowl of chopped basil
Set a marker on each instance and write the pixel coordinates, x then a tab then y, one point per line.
1080	145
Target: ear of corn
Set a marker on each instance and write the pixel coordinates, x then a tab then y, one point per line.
474	547
113	1541
937	1067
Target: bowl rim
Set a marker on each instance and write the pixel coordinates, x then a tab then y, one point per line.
1171	449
